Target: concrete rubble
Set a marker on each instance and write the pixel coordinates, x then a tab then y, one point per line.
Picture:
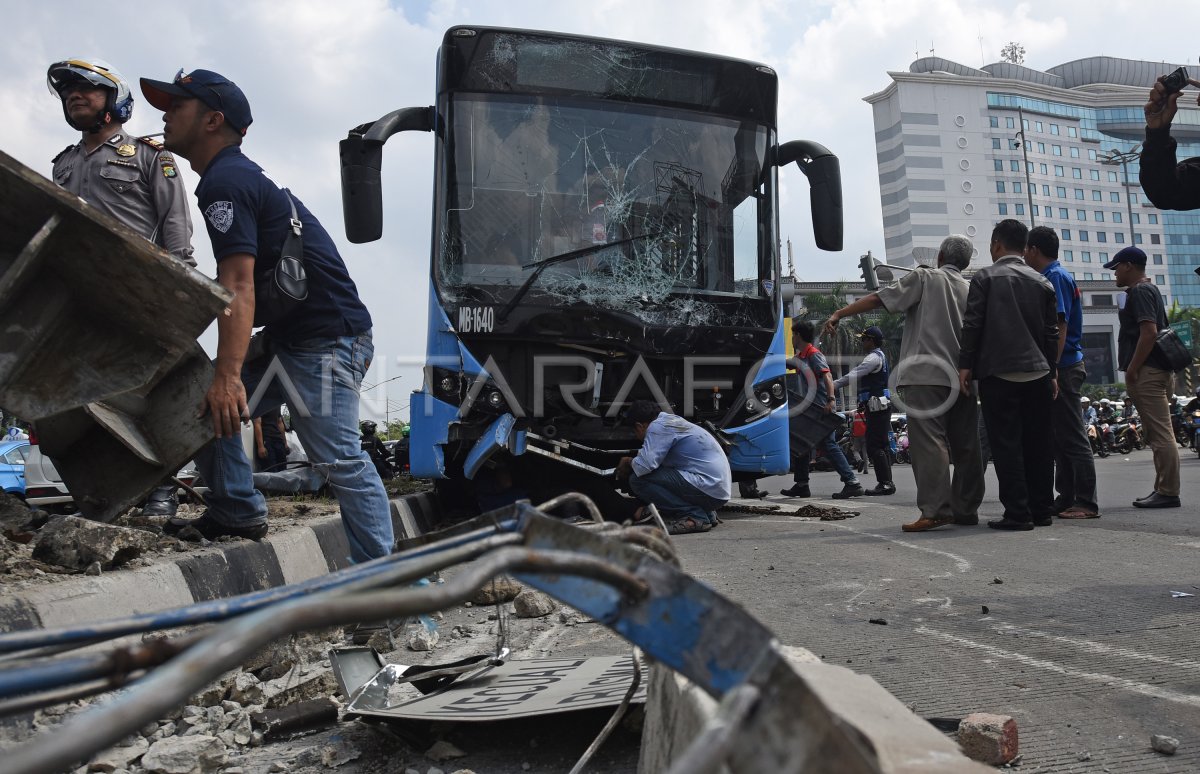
502	589
1164	744
72	542
988	738
198	754
533	604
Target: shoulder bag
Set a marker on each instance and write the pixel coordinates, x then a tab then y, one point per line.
279	289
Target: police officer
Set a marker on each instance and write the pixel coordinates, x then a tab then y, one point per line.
871	376
130	178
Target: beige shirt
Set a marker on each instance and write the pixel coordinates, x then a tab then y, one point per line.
933	301
136	182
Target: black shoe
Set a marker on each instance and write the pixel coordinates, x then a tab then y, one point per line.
1011	525
1043	521
797	490
205	527
1157	500
750	491
850	490
1147	497
881	490
966	521
161	501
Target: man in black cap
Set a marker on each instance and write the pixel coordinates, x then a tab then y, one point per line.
871	379
321	348
1147	376
1010	345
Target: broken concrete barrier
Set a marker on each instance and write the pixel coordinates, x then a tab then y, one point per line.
988	738
75	543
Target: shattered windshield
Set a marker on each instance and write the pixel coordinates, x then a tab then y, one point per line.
663	214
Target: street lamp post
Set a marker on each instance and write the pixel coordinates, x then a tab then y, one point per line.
1113	157
1025	161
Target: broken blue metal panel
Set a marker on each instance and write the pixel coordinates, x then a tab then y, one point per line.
501	434
443	341
762	445
429	428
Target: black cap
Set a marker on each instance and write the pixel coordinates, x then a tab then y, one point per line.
874	332
1127	255
213	89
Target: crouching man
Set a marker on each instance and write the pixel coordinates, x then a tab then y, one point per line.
680	469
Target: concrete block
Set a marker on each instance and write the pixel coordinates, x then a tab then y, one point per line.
987	738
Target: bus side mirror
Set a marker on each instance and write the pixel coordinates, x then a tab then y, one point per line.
362	161
824	175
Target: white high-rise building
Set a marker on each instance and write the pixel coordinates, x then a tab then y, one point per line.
960	148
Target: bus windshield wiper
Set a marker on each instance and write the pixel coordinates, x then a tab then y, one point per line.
540	266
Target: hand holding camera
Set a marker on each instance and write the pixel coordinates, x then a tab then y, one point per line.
1160	109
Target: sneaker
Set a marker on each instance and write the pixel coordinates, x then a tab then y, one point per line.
881	490
161	501
797	490
207	528
923	524
850	490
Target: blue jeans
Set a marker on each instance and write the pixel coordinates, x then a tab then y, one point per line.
801	462
319	380
674	496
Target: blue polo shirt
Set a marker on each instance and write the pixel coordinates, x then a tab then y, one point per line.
1069	303
246	212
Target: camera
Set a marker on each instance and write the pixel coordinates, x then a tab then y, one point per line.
1175	81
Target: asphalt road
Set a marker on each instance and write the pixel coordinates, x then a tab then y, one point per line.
1072	629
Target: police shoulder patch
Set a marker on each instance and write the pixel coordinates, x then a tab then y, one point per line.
155	144
220	215
62	153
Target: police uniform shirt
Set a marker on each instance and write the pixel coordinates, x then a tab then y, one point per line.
135	181
246	212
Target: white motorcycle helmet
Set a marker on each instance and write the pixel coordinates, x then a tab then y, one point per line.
97	73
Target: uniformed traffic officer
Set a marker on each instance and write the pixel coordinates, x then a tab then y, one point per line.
130	178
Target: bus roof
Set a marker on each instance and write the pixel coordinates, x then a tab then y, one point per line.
532	62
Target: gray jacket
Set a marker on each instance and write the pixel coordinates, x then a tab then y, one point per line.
1011	322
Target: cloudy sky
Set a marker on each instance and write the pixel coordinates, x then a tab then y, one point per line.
313	68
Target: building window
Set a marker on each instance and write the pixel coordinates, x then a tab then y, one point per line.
1094	174
1072	131
994	122
1116	217
1058	170
1037	126
1114	196
1029	145
1156	239
1074	153
1160	279
1068	255
995	143
1102	299
1086	256
1152	218
1020	209
1010	122
1053	128
1038	212
1081	214
1045	190
1103	258
1112	176
1133	198
998	165
1003	208
1098	216
1066	234
1120	235
1137	217
1042	168
1017	187
1077	173
1156	259
1078	193
1101	236
1041	147
1062	192
999	186
1015	165
1096	197
1137	238
1062	213
1083	236
1087	275
1092	154
1056	150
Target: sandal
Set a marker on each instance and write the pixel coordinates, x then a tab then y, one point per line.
688	525
1078	512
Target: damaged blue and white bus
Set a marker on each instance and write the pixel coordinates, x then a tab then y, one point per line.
605	228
